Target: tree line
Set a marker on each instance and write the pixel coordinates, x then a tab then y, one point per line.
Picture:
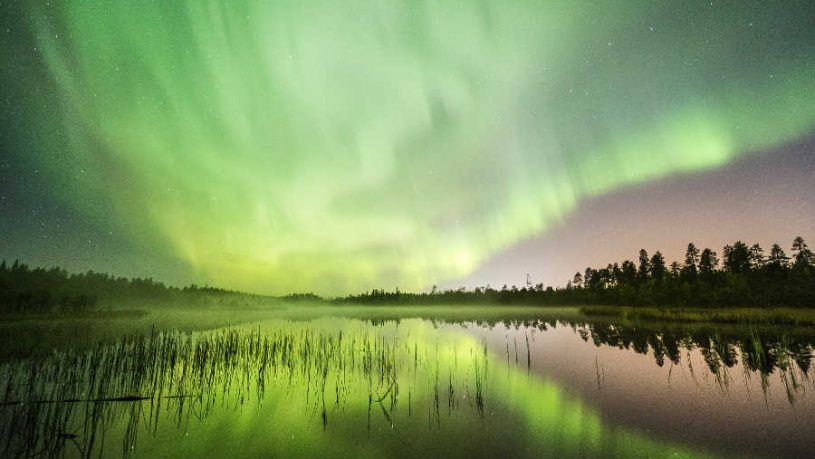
24	289
742	276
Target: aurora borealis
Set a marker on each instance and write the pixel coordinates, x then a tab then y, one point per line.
337	146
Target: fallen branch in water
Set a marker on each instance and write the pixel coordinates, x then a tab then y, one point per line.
124	398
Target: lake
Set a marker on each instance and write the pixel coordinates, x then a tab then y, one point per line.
304	381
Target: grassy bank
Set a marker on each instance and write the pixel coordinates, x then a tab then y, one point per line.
774	316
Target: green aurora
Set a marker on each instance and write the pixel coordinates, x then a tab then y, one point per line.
335	146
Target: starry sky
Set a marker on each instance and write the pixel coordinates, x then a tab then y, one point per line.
333	147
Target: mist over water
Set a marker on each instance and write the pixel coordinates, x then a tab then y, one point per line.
525	387
367	229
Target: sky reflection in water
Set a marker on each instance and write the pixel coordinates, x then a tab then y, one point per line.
345	387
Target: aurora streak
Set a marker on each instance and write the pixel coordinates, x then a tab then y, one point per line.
337	146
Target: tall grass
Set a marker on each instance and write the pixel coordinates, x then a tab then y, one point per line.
70	398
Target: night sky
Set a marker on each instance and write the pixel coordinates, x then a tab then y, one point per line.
337	146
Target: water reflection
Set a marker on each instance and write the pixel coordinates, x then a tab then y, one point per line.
71	397
344	387
745	391
763	354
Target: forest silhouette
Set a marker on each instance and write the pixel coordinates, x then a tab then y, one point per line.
24	289
744	276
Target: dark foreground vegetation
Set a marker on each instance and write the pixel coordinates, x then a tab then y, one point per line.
745	276
79	402
24	289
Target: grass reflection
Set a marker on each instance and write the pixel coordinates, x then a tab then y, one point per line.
341	387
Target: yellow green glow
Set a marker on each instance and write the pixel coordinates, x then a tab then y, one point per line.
314	145
524	415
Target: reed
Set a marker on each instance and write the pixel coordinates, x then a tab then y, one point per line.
136	379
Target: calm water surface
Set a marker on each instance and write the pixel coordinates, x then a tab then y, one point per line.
412	387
